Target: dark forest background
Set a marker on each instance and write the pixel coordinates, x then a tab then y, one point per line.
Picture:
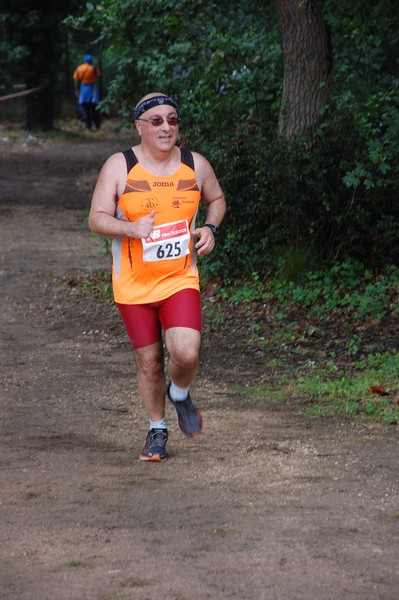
294	102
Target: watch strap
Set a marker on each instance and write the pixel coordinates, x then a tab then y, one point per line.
213	228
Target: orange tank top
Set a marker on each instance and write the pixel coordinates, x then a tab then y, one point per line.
152	269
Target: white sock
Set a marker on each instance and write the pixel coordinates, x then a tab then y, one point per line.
178	393
158	424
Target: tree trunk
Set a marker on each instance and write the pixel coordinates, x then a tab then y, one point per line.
307	56
45	49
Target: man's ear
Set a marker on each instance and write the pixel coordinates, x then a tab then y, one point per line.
138	126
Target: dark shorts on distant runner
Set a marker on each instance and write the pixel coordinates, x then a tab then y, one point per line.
144	322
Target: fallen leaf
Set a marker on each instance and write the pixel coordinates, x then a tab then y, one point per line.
376	389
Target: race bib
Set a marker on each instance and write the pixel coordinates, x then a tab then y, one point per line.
167	242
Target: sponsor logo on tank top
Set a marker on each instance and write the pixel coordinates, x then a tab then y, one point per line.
149	203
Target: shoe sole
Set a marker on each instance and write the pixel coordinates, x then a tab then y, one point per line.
155	458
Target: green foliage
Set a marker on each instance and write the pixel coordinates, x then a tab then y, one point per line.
309	195
365	45
194	51
296	262
346	287
95	284
352	395
333	193
366	385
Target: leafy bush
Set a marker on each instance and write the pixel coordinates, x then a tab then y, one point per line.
335	192
331	196
347	287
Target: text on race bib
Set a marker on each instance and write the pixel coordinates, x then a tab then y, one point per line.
167	242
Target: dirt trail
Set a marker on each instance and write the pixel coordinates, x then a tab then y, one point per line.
265	506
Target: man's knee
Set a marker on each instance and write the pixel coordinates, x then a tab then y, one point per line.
183	346
149	365
185	357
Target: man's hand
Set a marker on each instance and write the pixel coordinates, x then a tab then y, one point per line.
143	226
206	242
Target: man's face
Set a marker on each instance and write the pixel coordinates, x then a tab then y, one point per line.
154	128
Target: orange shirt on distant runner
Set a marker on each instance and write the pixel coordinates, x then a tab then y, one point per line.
86	73
151	270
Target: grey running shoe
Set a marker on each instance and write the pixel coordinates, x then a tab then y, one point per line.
189	417
154	448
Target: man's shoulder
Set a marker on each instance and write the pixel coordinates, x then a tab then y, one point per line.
78	69
200	161
116	164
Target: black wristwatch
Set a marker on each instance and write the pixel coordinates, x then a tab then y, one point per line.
213	228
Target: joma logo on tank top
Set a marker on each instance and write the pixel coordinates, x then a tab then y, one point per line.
163	184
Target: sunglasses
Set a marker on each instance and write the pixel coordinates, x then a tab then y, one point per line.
158	121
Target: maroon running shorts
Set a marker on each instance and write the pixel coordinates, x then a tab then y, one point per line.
144	322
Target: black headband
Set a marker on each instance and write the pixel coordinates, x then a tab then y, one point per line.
155	101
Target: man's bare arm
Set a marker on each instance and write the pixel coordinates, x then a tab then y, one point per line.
215	204
109	187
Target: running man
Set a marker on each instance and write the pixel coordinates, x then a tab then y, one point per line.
147	199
